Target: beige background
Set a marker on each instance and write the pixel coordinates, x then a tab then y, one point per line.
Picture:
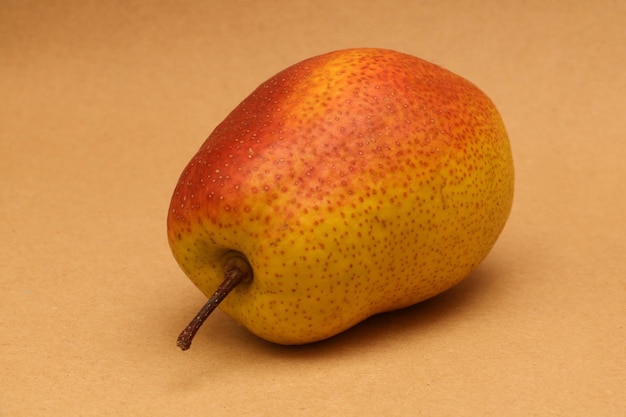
104	102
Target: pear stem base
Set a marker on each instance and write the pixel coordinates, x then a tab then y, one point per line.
236	271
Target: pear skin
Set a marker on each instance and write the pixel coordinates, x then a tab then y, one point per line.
352	183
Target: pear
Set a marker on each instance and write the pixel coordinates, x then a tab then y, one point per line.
349	184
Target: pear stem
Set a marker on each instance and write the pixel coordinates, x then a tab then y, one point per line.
236	271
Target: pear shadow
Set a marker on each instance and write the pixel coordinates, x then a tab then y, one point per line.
390	327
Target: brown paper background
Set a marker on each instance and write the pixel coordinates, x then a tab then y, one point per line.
104	102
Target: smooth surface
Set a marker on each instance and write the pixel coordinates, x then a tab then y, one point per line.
103	103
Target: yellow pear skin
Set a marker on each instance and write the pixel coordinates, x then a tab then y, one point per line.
350	184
